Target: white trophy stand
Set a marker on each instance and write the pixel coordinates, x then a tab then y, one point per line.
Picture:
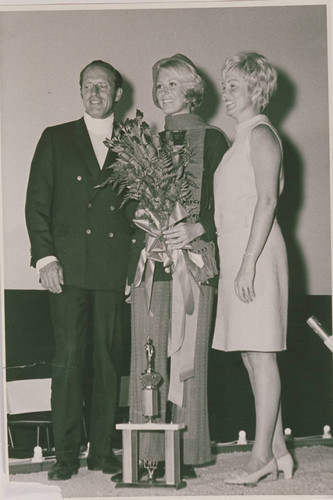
150	381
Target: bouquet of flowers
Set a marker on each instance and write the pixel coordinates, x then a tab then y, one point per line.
152	171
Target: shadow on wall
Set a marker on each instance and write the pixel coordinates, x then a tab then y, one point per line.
211	101
126	102
291	201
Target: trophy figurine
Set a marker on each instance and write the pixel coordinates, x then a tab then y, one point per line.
150	380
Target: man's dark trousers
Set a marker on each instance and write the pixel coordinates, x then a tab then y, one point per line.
70	311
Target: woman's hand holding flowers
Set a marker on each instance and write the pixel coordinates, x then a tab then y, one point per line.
180	235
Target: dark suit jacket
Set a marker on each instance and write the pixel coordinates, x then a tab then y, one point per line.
84	227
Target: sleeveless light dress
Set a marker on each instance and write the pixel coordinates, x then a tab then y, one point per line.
260	325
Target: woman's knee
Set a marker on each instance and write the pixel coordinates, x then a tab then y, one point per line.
261	360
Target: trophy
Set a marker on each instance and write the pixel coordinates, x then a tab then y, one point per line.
150	380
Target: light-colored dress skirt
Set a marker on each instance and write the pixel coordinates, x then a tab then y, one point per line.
262	324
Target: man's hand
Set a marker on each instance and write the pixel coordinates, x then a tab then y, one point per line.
51	277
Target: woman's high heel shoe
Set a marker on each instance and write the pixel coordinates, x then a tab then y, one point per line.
286	465
250	478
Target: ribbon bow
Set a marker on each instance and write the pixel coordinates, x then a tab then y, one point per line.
156	250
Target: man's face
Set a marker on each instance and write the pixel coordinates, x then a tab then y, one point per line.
98	92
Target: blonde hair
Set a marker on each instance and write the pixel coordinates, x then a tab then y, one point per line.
260	75
188	75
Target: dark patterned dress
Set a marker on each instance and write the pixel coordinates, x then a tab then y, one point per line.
208	144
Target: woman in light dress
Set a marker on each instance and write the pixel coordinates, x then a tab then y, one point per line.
253	285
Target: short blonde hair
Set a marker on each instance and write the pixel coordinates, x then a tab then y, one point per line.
187	73
259	74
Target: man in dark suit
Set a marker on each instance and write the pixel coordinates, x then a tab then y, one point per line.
80	243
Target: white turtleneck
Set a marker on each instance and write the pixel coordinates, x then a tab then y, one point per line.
99	129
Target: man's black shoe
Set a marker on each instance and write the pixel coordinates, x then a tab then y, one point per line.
109	464
159	472
63	470
187	472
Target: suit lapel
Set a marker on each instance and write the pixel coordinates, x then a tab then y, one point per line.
105	172
85	148
111	157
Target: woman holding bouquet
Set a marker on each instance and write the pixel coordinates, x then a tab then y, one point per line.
253	286
178	90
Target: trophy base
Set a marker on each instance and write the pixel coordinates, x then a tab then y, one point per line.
152	483
131	458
